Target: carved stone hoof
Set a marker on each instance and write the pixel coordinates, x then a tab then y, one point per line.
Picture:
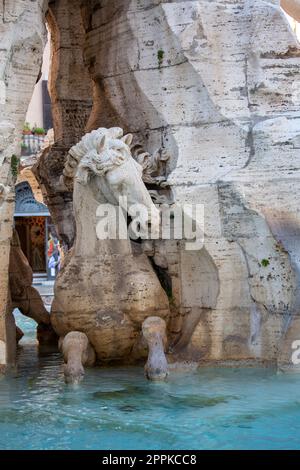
77	352
74	374
154	332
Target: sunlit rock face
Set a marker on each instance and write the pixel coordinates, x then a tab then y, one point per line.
292	7
214	83
23	37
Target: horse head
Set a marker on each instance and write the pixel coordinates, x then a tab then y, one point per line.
104	156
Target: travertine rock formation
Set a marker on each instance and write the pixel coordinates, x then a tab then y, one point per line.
70	88
214	83
23	36
23	295
292	7
26	298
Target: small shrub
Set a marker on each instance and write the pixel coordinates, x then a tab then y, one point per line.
26	128
160	57
265	262
39	131
14	164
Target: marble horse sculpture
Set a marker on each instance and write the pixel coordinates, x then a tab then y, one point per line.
105	289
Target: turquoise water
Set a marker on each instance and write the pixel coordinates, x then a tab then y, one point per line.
118	409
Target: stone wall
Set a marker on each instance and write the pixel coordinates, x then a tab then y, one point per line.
23	38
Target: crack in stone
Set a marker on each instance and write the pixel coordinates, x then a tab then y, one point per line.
144	70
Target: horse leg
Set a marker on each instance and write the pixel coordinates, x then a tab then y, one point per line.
154	332
77	352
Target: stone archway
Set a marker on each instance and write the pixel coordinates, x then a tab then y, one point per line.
31	223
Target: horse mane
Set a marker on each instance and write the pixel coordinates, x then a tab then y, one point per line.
91	155
84	154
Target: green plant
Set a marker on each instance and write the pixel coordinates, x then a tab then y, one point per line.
26	127
160	57
14	164
265	262
23	146
39	131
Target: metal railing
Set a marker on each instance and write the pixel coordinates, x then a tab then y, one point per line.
32	144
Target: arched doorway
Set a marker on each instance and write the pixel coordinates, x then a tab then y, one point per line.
33	223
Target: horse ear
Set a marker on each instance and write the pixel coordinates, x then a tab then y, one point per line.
127	139
102	143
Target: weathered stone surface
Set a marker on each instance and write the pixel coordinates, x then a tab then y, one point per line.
292	7
209	82
23	36
70	89
23	296
59	200
26	298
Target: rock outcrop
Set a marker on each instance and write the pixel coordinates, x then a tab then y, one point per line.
70	89
292	7
25	297
23	36
214	84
